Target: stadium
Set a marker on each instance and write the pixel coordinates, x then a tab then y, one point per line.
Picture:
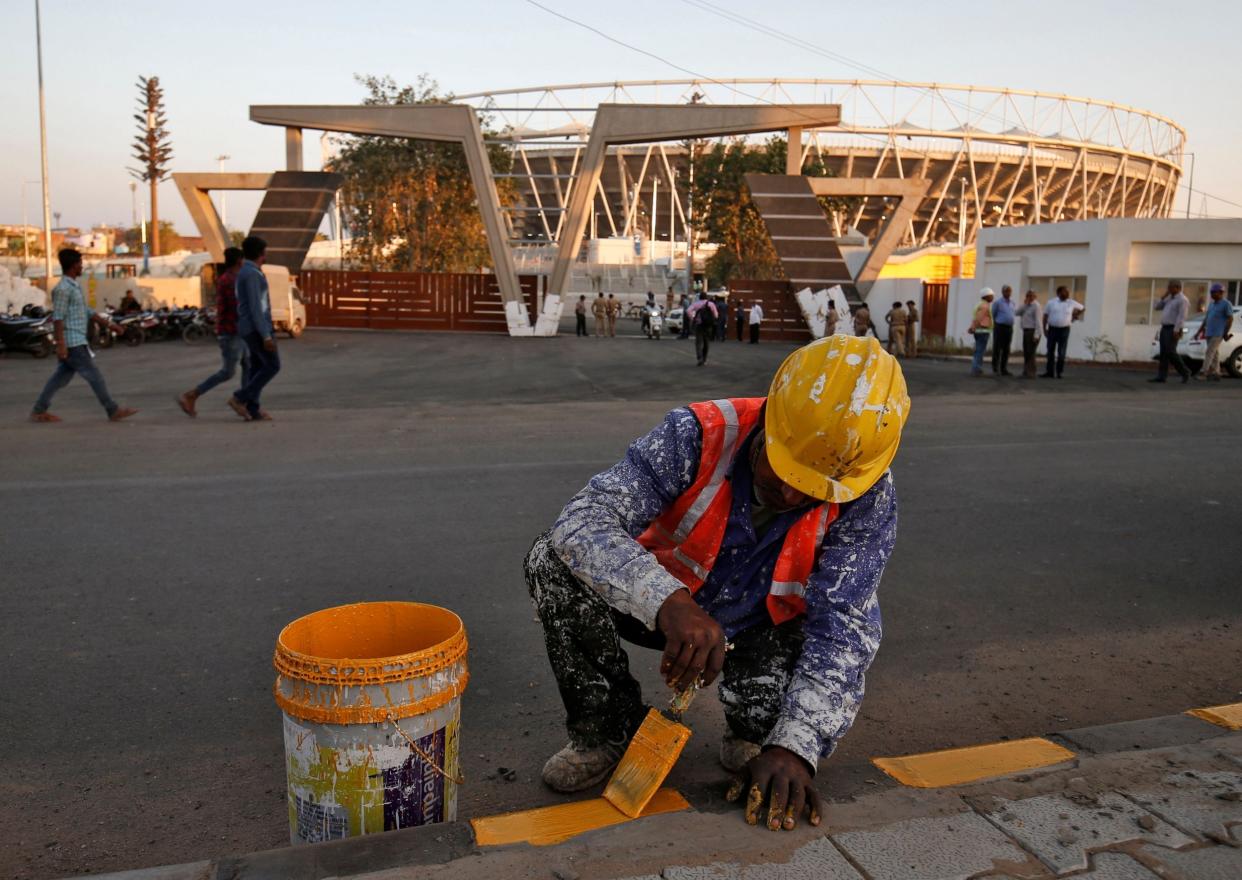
995	156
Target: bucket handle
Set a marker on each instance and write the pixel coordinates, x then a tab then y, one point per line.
460	779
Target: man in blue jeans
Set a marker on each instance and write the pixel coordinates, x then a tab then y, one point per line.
232	346
254	325
70	319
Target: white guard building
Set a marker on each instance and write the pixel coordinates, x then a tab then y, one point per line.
1117	268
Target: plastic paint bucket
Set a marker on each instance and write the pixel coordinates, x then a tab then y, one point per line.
357	684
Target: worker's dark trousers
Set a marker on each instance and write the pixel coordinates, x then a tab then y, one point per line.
1002	338
754	334
1169	354
603	702
1058	340
702	341
1030	348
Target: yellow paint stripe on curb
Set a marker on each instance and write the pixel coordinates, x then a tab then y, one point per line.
959	766
1228	716
548	825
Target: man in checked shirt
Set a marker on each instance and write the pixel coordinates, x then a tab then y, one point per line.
763	524
70	319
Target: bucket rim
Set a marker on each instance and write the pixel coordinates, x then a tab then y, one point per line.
448	649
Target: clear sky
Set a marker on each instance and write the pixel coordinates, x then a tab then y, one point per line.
1177	59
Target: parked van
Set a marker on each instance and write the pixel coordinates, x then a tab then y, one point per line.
288	308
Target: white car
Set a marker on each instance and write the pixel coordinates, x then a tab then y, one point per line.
1193	346
674	319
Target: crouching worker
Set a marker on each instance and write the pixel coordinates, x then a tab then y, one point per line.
757	524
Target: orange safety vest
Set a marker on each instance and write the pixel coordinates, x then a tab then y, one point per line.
686	538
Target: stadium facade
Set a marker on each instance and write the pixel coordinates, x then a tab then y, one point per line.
996	157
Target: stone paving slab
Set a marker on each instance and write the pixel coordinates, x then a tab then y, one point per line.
1212	863
938	848
817	860
1060	831
1197	802
1115	866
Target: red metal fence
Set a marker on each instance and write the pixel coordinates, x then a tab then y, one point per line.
782	319
408	300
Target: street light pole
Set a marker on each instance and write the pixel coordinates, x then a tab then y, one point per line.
224	196
47	202
1190	187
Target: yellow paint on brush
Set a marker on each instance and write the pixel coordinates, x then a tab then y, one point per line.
549	825
646	763
959	766
1228	716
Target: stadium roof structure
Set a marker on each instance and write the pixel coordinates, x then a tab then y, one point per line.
994	156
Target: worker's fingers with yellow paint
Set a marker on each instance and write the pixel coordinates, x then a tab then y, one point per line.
715	663
797	803
754	805
776	803
736	787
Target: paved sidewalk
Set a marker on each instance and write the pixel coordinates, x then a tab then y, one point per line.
1119	810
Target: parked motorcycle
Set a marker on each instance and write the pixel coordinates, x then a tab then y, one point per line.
29	334
200	327
131	330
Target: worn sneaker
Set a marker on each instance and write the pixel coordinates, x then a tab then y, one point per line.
736	753
576	767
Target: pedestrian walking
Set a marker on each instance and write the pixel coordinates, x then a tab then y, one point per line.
896	319
1002	331
722	318
70	321
599	309
613	312
1060	312
1173	307
1217	326
1031	314
254	323
739	320
981	327
659	550
862	320
704	315
232	346
756	318
684	303
580	316
912	329
668	300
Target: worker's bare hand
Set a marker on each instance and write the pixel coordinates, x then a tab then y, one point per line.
269	344
785	782
694	647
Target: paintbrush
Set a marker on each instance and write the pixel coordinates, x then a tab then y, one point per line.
650	757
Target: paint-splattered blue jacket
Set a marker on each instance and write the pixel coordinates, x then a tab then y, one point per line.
595	536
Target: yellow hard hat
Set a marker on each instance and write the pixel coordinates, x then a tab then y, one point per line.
834	417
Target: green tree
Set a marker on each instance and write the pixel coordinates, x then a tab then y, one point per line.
725	214
409	204
168	234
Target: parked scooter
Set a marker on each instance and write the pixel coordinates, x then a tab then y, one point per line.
131	332
33	335
654	323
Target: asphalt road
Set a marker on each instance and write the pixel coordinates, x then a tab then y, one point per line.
1067	556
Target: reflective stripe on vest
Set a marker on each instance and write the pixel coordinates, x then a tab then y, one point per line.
686	538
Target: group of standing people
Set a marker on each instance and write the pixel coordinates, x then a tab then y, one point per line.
605	311
1217	327
994	321
243	329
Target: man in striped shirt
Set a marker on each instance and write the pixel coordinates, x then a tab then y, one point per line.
70	320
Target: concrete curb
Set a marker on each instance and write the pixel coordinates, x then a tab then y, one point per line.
436	845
